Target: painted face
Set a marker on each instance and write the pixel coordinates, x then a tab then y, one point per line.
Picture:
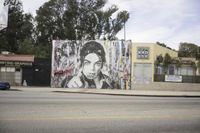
58	53
92	65
66	49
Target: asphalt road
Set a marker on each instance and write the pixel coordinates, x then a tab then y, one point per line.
50	112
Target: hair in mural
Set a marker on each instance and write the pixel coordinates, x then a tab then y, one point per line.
92	58
91	64
93	47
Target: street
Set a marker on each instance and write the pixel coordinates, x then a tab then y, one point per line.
40	112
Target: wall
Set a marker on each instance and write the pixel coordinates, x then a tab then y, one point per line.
159	50
104	64
154	51
145	45
41	72
142	62
11	74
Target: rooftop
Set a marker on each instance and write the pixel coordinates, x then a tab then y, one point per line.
14	57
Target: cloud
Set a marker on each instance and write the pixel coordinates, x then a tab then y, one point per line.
31	7
163	21
169	22
191	35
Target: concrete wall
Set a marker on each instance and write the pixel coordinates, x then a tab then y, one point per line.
91	64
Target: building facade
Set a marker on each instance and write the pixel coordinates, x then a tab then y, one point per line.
24	70
11	67
143	60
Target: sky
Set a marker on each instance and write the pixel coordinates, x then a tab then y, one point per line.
165	21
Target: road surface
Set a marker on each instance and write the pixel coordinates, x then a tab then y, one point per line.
41	112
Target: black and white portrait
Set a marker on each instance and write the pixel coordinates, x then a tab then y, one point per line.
92	60
90	64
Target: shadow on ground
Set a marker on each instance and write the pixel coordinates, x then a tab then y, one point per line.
10	89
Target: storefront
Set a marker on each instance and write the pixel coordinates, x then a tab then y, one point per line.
11	67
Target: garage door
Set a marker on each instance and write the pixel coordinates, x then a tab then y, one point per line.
11	75
142	73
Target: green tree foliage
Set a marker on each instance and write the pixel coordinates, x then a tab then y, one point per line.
49	21
59	19
161	44
188	50
158	60
27	28
198	65
41	51
10	36
164	45
20	28
78	19
26	47
166	62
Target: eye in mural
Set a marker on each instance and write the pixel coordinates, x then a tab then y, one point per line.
91	64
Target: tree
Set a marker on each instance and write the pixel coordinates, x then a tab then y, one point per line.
176	62
188	50
20	28
161	44
49	21
26	47
198	66
166	61
117	25
158	60
27	28
77	20
10	36
59	19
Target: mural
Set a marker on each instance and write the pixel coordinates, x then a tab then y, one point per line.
91	64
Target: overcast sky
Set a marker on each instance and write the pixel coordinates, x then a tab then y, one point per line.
166	21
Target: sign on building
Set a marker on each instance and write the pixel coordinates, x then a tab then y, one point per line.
173	78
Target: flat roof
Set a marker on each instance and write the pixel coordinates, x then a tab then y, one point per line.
15	57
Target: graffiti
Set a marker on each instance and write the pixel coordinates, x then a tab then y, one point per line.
91	64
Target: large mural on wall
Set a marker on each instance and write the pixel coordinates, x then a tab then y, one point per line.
91	64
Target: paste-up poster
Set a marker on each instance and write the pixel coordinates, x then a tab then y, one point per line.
91	64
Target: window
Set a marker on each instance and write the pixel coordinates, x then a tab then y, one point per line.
187	70
143	52
159	70
7	69
17	69
3	69
10	69
171	70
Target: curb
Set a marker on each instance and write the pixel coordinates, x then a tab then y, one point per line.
139	95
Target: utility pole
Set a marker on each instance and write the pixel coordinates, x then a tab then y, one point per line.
124	30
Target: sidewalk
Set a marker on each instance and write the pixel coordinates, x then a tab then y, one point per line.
152	90
168	86
149	93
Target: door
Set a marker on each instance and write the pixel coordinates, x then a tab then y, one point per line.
142	73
